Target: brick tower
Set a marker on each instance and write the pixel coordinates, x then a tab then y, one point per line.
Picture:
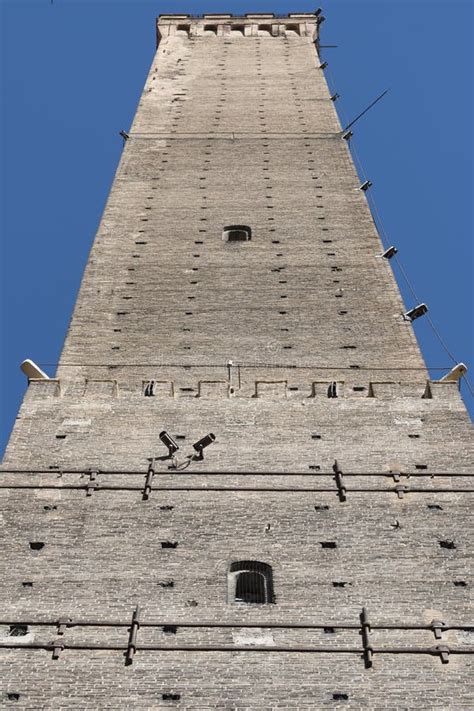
314	553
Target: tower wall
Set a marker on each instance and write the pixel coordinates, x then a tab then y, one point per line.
235	126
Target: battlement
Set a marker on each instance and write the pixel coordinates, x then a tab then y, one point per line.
250	25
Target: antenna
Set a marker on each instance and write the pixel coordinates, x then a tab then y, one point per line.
365	110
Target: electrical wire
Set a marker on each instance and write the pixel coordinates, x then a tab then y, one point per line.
385	241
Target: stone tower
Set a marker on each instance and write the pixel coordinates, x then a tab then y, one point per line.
314	554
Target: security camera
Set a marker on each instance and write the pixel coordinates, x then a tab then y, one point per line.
203	443
169	442
366	185
323	65
347	135
415	313
390	252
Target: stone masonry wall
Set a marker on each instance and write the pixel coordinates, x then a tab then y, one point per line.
235	126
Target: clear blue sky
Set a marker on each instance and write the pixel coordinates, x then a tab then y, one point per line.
71	76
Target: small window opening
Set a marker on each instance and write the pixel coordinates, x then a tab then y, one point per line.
329	630
211	28
169	544
460	583
36	545
61	436
421	466
27	584
338	696
12	696
328	544
171	697
359	388
321	507
339	584
450	545
166	584
18	630
149	389
166	508
250	582
435	507
170	629
237	233
332	390
316	467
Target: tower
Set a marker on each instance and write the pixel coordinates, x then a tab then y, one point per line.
314	553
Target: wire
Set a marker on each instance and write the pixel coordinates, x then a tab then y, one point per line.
236	364
383	233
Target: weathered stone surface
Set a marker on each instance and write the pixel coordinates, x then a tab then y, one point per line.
235	127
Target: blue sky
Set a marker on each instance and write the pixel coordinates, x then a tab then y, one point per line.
71	76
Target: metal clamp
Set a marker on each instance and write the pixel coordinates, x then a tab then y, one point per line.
63	622
132	637
400	490
58	646
339	479
149	478
368	651
438	626
442	650
92	484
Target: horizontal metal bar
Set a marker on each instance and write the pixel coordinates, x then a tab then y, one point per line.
236	648
177	472
228	625
105	487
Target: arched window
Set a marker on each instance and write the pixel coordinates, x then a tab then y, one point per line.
250	581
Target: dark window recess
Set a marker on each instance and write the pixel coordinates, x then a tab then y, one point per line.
316	467
166	508
27	584
450	545
321	507
339	584
61	436
435	507
236	233
149	389
359	388
315	436
338	696
460	583
328	544
414	436
251	582
11	696
421	466
170	629
329	630
49	507
36	545
332	390
18	630
169	544
166	584
171	697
